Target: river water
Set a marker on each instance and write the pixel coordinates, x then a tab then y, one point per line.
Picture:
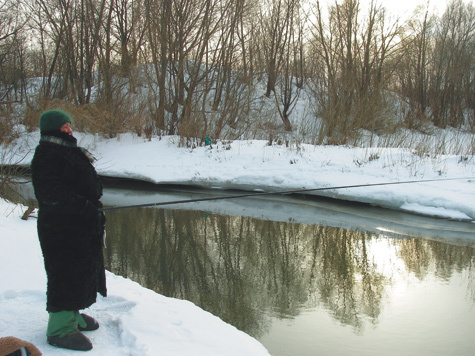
304	276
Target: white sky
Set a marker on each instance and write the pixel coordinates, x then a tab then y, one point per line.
405	8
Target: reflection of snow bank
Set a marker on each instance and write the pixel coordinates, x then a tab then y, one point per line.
434	211
304	211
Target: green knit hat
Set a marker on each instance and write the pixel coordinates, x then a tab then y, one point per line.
54	120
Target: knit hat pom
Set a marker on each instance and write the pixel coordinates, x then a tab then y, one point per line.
54	120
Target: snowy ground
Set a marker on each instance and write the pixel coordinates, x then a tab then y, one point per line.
137	321
134	320
254	165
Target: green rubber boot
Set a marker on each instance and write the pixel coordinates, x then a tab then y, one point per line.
86	322
63	332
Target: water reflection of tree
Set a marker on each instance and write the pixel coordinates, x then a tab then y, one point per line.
423	257
245	269
348	284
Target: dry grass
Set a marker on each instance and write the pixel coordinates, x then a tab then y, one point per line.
7	125
89	118
6	131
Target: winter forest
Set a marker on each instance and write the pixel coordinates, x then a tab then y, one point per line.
236	69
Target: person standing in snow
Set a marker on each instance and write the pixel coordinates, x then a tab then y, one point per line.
70	230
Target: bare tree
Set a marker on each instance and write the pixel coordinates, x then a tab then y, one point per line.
157	14
333	67
180	34
451	77
349	57
12	50
72	29
105	54
130	28
49	33
413	68
292	62
224	58
273	28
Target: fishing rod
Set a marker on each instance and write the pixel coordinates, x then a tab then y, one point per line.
285	192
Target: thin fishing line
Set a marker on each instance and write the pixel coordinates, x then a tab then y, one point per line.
285	192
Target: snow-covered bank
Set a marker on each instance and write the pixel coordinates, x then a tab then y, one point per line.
251	165
134	320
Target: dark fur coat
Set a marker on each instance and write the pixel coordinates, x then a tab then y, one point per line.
70	227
